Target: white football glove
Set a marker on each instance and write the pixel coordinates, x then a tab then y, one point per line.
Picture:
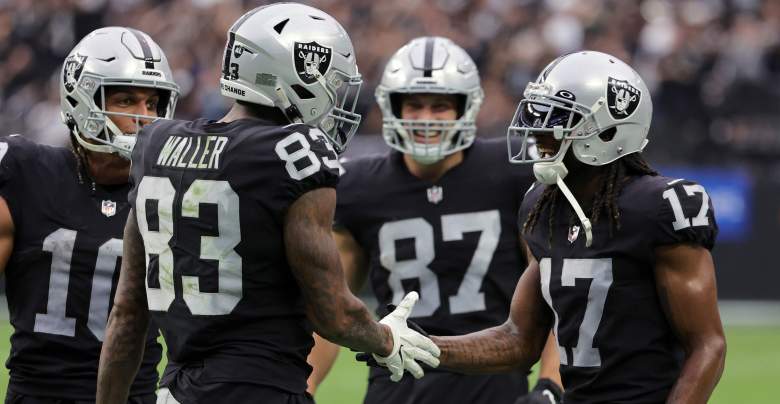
409	346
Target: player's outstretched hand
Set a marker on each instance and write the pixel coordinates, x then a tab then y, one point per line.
409	346
368	359
546	391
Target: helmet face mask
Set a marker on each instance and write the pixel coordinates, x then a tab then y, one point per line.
429	140
429	65
112	56
298	59
342	122
540	114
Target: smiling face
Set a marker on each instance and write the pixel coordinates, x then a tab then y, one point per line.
429	107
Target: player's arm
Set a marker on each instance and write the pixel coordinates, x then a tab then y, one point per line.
335	312
6	234
549	365
549	380
355	265
548	388
516	344
123	347
685	278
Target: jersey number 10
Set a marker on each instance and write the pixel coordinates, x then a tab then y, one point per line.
60	244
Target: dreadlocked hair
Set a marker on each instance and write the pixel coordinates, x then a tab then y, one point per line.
606	197
79	154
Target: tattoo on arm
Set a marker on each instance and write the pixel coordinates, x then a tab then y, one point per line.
492	350
516	344
126	330
336	314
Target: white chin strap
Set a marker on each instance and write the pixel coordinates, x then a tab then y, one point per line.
122	144
553	172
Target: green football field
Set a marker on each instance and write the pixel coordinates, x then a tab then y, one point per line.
752	370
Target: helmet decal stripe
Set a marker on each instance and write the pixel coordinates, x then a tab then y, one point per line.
148	57
228	54
428	67
232	39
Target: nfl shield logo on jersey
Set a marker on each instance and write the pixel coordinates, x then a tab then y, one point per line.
435	194
108	208
311	59
574	231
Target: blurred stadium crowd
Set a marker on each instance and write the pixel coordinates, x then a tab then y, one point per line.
713	65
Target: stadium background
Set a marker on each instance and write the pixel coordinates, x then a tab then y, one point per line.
713	67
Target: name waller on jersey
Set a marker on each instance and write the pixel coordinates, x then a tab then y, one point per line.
192	152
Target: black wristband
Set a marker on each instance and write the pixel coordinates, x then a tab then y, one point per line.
547	384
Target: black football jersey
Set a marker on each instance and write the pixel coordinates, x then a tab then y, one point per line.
614	340
62	273
454	241
210	199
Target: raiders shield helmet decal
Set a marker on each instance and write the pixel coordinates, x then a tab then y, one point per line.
73	66
311	58
622	98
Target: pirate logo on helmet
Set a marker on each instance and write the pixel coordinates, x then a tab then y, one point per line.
311	60
74	64
622	98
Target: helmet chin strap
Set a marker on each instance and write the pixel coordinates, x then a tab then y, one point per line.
290	111
553	172
122	144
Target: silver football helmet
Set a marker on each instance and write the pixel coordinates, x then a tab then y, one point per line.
592	102
298	59
433	65
112	56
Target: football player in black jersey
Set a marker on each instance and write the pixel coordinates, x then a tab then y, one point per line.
229	240
629	287
436	214
62	214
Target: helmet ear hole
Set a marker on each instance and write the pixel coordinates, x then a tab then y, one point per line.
302	92
608	134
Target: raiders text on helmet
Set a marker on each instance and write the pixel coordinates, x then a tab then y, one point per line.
298	59
431	65
112	56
